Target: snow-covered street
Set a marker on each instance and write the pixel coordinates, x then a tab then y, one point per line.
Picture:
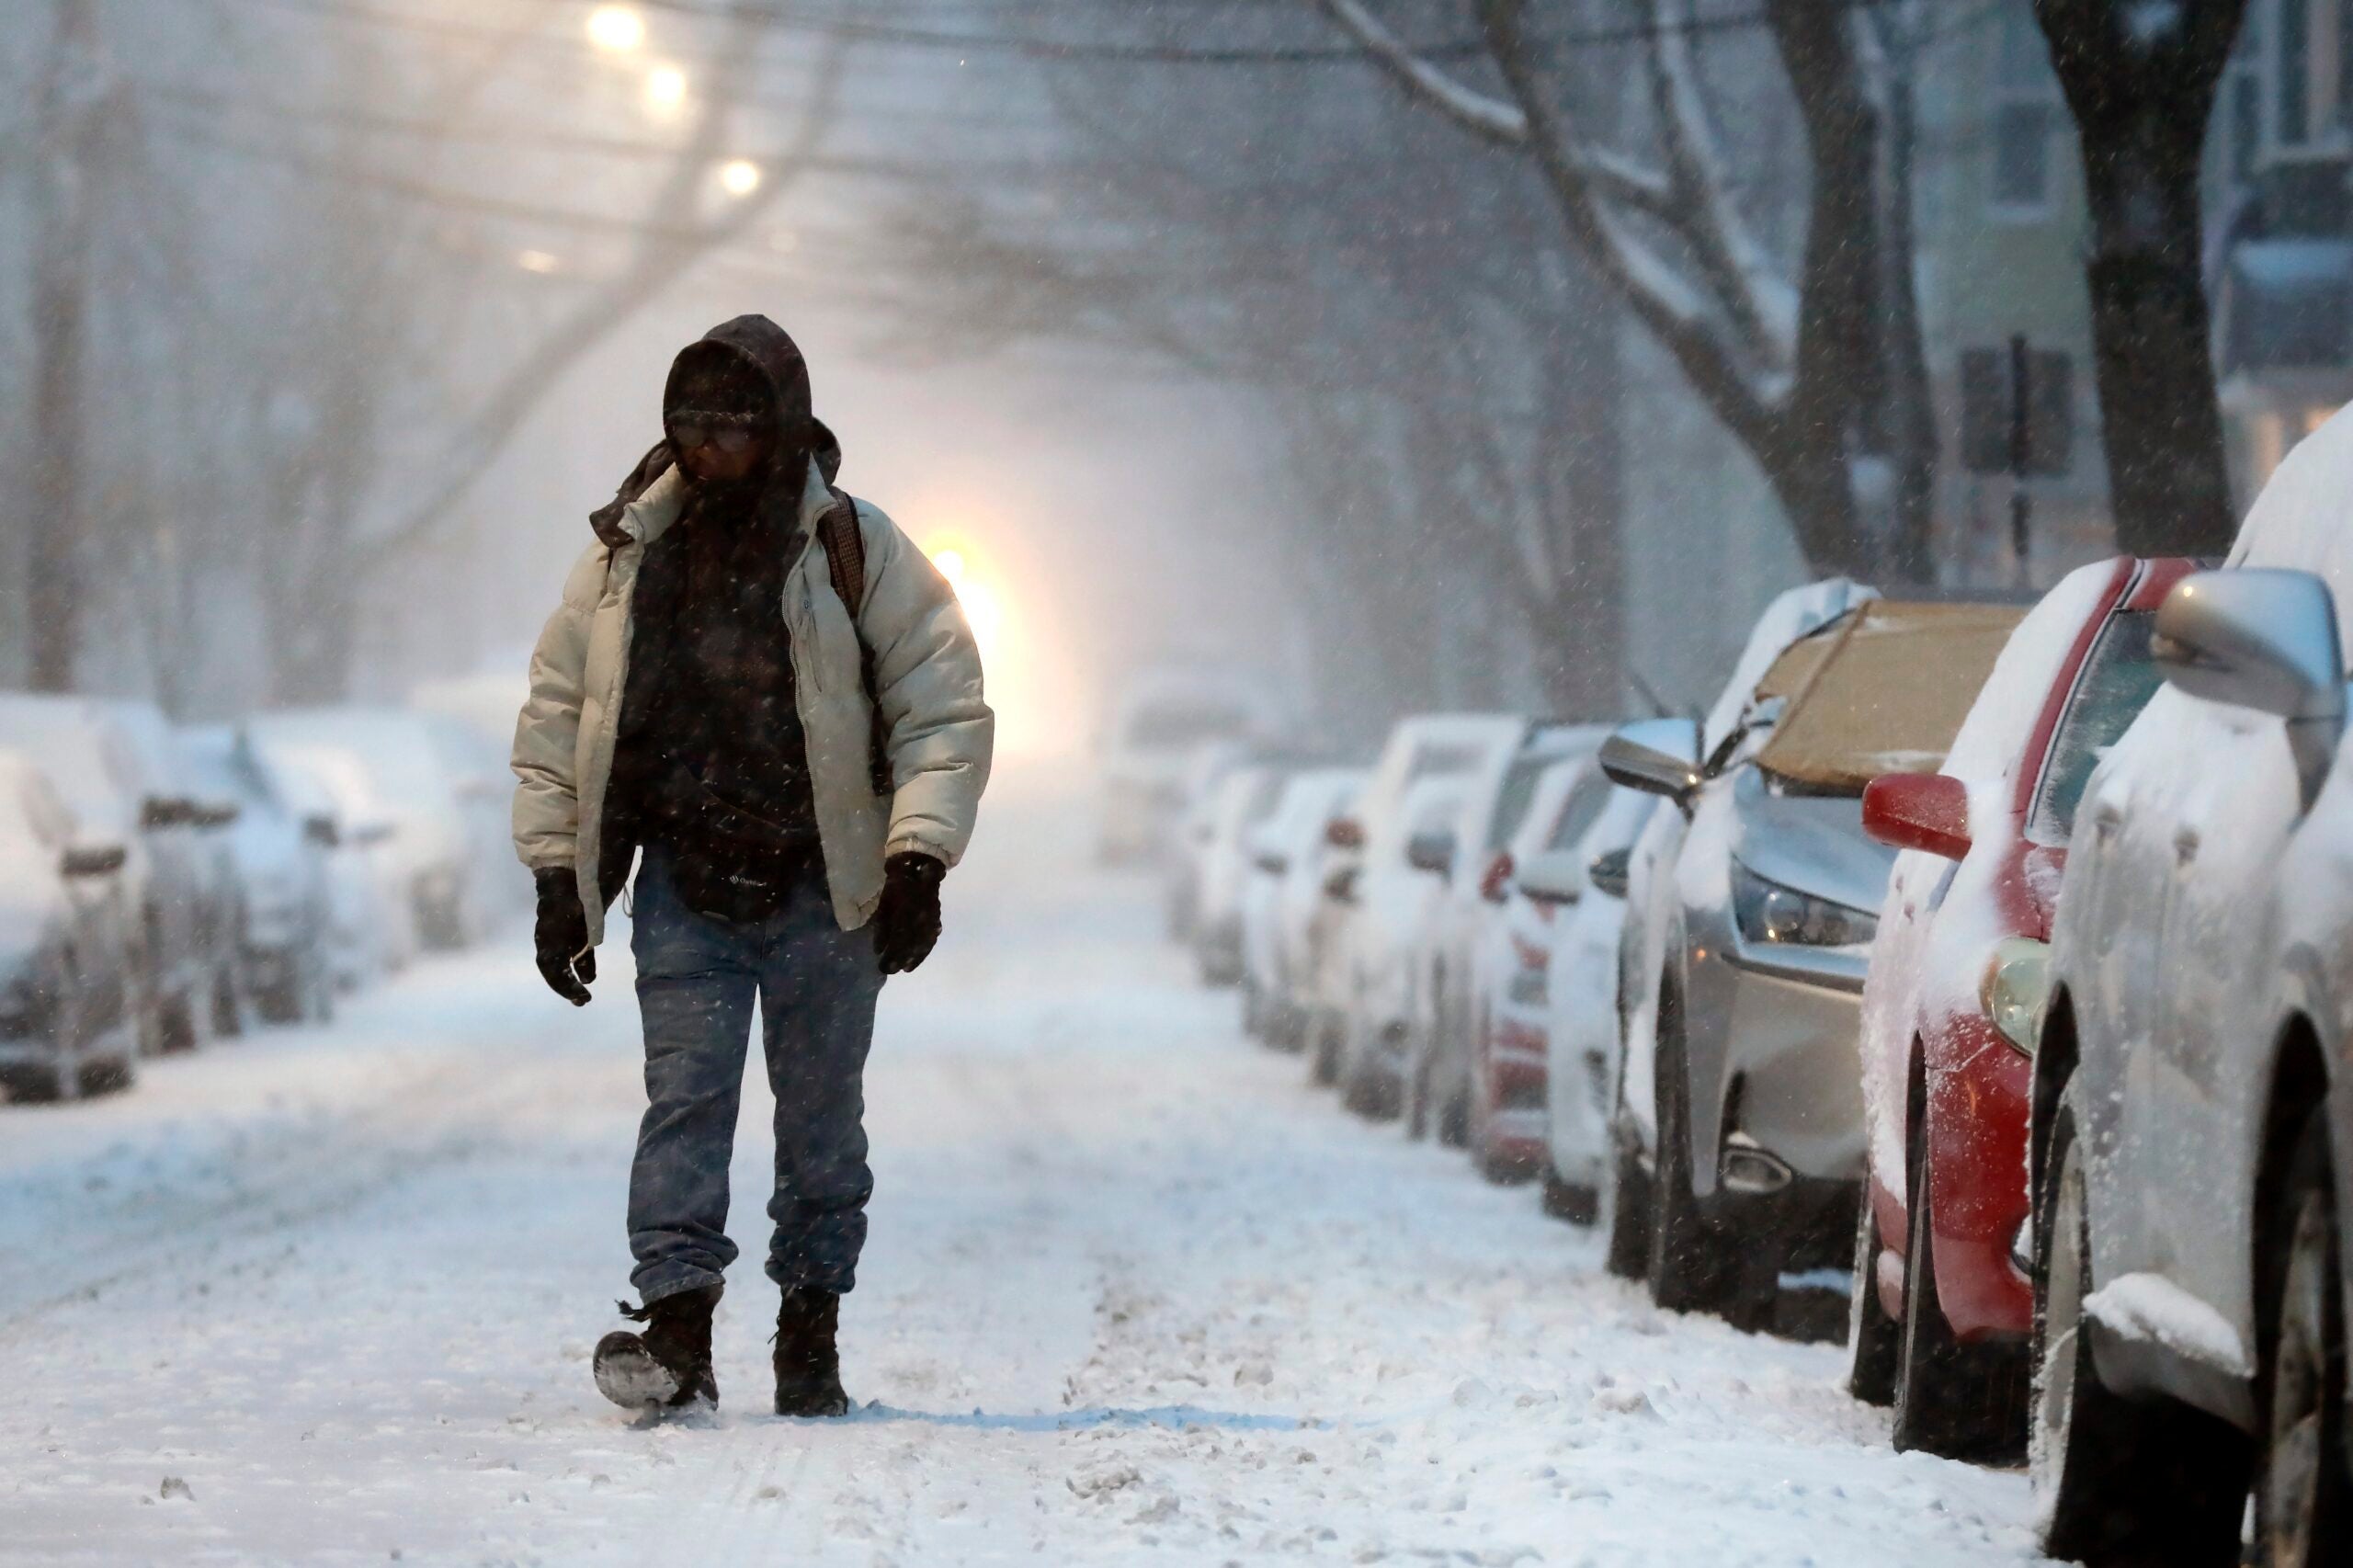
1135	1293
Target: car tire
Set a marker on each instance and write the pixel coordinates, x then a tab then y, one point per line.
1955	1399
1456	1112
227	1004
1627	1256
1874	1340
1253	1010
30	1084
2116	1480
1416	1094
107	1077
176	1028
1324	1052
1686	1267
2303	1515
1574	1202
1365	1089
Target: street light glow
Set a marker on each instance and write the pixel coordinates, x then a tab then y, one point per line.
616	30
537	261
665	87
739	177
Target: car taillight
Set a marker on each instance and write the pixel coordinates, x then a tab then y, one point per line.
1493	885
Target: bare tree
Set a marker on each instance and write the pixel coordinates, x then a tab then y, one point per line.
1817	369
2140	81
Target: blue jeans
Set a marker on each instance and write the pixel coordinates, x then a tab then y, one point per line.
696	978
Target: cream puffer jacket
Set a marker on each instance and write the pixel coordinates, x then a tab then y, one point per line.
927	676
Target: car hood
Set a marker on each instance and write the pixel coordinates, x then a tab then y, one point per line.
1813	843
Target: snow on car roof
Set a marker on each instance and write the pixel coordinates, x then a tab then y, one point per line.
1883	690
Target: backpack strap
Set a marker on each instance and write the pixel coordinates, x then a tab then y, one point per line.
838	530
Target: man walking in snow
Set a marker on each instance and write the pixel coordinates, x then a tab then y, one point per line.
764	686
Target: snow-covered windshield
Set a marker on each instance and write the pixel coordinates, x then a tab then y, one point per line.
2115	683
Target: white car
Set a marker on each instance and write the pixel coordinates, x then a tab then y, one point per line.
1289	852
399	800
284	905
1444	1040
1584	876
2192	1134
1242	801
66	1022
1397	896
1161	719
126	789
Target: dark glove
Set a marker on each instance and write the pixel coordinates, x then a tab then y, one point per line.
906	923
566	961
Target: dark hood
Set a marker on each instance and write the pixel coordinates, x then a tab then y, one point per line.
746	365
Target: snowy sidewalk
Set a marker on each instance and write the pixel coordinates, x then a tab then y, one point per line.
1136	1294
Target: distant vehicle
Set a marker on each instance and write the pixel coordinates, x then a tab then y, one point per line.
498	886
1280	901
279	856
1242	799
2192	1124
1586	877
1439	1077
1511	973
1942	1310
113	764
1159	721
1385	898
67	1026
1649	907
1190	832
400	800
1757	1125
369	932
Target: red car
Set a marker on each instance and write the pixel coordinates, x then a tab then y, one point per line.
1942	1308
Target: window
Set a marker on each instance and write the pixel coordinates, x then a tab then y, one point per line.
2312	74
2114	685
1581	810
2026	119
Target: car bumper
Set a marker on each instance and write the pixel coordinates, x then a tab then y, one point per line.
1979	1099
1516	1076
1771	1035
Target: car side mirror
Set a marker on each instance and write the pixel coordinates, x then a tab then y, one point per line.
1271	863
1657	756
1611	873
2262	638
222	815
1344	833
1553	877
158	812
322	832
369	835
96	860
1430	851
1918	811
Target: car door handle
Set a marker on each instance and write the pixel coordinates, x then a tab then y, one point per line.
2185	846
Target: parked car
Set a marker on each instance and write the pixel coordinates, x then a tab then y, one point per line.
369	932
125	789
278	857
1503	1113
67	1026
1281	898
1651	903
1389	897
399	800
2192	1130
1161	719
1756	1161
1439	1076
1242	801
1585	877
1190	828
1941	1310
498	887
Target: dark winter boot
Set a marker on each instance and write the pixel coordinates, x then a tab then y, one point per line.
808	1369
667	1364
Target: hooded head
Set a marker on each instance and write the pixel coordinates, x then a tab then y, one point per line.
747	374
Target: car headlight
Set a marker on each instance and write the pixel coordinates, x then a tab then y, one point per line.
1768	912
2016	988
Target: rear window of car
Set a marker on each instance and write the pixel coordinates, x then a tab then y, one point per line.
1580	811
2115	684
1513	796
1439	761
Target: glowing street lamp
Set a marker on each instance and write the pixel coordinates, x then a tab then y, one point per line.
739	177
539	261
616	30
666	88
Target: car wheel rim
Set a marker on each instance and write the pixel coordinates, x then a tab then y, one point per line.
2291	1470
2054	1378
